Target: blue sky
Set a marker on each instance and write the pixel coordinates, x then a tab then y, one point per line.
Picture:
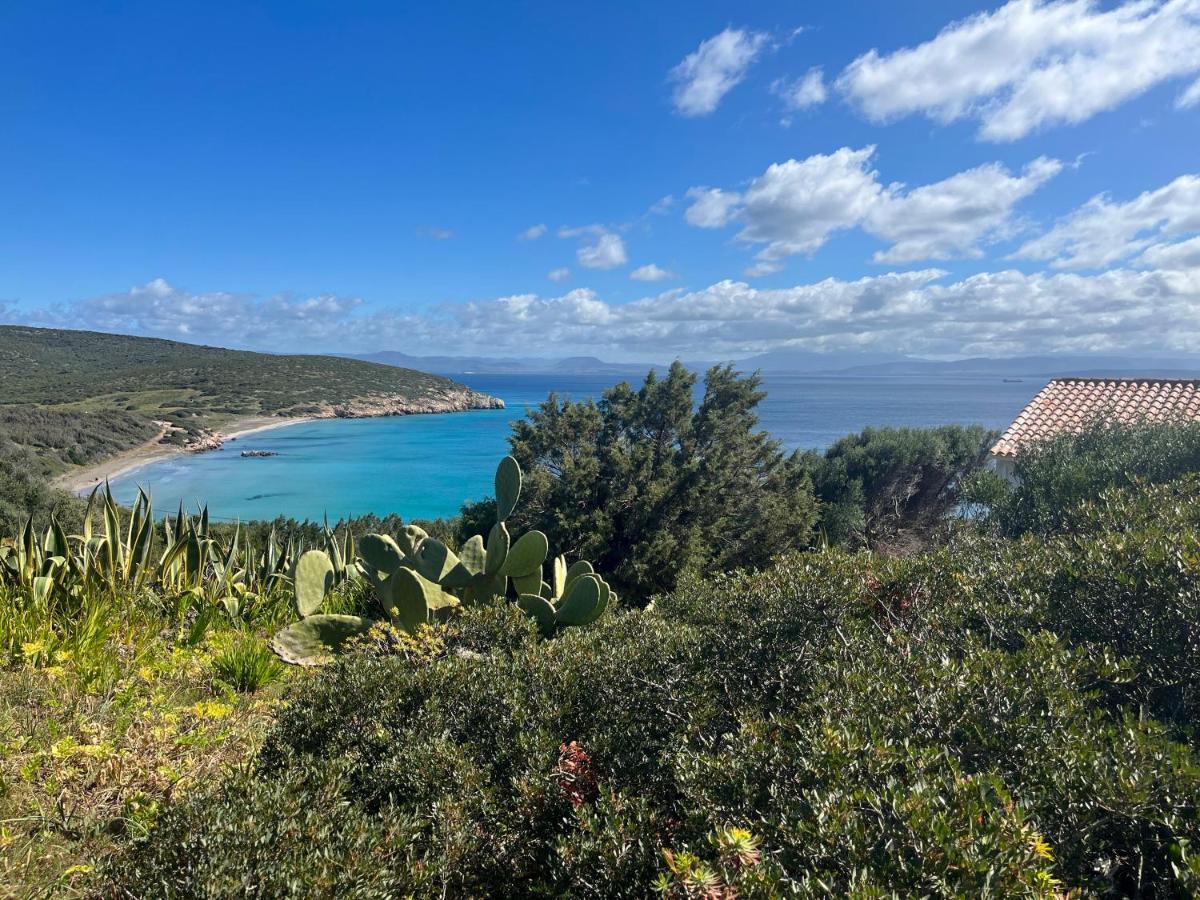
701	179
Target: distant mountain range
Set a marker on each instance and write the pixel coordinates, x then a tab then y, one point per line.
799	362
502	365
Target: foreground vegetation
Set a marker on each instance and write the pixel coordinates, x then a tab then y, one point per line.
992	718
775	707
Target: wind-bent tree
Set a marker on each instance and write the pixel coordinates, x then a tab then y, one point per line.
650	482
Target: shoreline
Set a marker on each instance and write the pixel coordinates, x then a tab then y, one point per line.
82	481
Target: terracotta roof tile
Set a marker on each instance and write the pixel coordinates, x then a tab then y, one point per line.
1068	404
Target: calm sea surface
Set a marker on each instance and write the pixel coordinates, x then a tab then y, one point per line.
426	466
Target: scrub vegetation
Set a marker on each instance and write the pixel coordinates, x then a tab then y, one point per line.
872	671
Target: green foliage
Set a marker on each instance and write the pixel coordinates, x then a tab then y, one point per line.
417	580
246	665
1056	475
888	487
648	483
967	722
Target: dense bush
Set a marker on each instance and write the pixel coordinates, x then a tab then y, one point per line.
889	488
1056	475
959	723
647	483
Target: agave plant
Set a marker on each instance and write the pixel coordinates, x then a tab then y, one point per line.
418	580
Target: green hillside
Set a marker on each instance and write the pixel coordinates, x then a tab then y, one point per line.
76	397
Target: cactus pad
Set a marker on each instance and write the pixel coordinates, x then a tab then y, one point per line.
312	579
313	640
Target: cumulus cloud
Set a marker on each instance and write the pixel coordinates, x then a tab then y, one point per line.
711	207
651	272
795	206
915	312
1031	64
557	275
607	252
1180	256
949	218
919	312
1102	232
801	93
532	233
713	69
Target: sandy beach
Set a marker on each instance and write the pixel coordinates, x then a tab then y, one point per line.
81	481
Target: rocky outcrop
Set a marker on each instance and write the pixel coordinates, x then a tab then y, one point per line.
458	399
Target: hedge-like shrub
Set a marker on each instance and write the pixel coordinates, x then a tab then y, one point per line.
976	721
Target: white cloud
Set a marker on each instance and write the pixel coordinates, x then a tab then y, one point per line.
566	231
607	253
436	233
532	233
711	71
651	272
559	274
1190	97
949	218
1031	64
235	320
1179	256
711	207
796	205
801	93
918	312
663	205
1102	232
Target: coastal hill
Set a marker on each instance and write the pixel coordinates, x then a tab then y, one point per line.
70	398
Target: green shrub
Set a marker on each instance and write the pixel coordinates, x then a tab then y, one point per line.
1057	475
648	483
891	487
956	724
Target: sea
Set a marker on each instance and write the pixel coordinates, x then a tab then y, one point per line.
427	466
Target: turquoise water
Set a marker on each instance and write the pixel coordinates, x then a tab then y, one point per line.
426	466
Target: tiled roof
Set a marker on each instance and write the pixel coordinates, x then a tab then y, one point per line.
1068	404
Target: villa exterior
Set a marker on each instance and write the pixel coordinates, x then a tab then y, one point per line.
1068	404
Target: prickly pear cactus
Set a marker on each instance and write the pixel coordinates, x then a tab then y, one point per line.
508	487
313	640
419	580
313	579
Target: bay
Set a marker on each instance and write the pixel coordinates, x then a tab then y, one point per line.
427	466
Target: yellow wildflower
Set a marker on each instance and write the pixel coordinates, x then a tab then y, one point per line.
210	709
1039	847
